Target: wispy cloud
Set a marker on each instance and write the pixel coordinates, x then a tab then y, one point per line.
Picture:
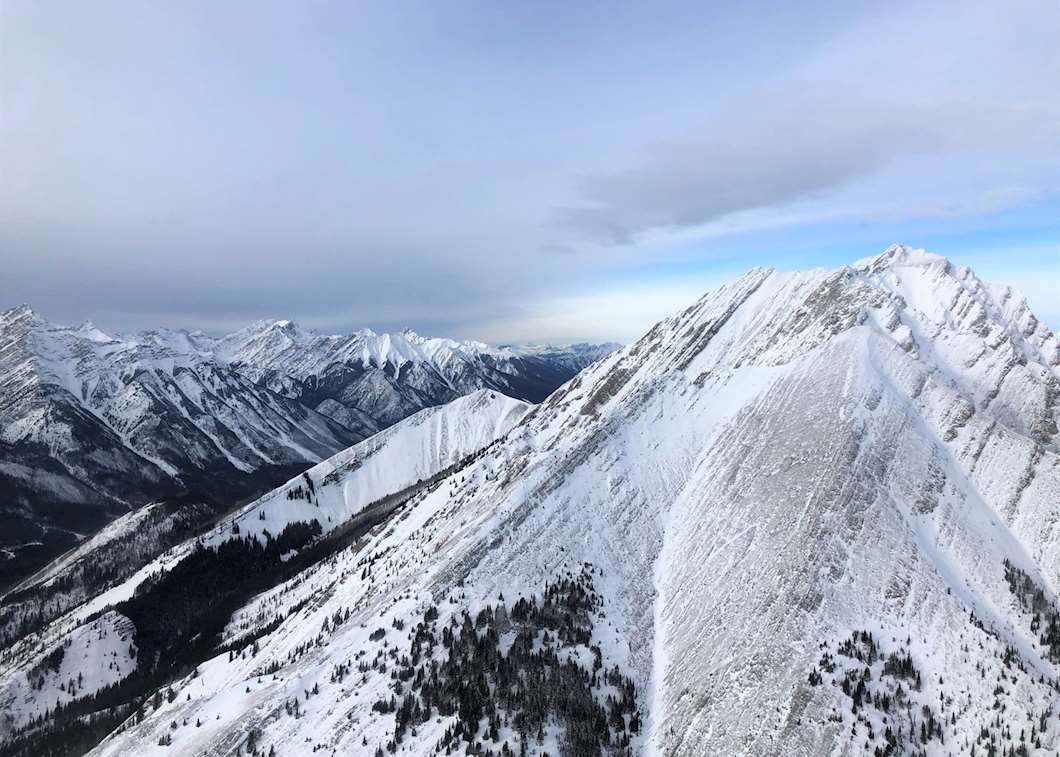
789	147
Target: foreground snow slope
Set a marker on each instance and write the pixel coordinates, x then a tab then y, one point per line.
795	458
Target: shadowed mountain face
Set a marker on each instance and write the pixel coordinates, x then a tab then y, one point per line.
92	424
812	513
379	379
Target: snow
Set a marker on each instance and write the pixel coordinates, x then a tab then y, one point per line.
95	655
794	457
302	353
125	384
167	404
385	464
121	528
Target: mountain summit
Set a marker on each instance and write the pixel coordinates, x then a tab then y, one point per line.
812	513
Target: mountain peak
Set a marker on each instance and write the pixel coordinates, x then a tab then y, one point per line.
19	311
796	474
268	325
901	256
22	318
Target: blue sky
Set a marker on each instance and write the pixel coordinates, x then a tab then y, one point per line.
510	172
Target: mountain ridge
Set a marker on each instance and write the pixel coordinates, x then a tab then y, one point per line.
811	513
94	423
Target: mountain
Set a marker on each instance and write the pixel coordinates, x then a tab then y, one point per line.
812	513
384	467
93	424
381	378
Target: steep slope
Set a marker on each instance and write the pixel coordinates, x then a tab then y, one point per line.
813	513
91	424
366	481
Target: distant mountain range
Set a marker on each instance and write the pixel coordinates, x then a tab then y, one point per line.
92	424
368	381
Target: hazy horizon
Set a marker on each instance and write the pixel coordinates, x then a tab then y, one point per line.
649	306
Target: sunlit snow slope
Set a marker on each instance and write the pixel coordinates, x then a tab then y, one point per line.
819	509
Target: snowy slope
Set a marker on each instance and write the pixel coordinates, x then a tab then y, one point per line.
793	459
387	463
103	560
386	377
94	655
92	423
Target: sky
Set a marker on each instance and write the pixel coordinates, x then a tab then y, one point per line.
511	172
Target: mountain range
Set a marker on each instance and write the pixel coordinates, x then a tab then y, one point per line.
92	424
811	513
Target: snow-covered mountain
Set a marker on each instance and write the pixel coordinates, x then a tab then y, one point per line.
813	513
378	379
91	424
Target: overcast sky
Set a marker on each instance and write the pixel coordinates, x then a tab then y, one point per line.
510	171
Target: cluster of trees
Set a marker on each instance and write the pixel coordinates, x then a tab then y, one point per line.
988	743
179	615
50	662
900	665
906	729
27	610
503	702
909	723
860	646
193	600
1045	619
307	491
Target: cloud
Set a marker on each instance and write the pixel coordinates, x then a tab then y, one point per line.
787	146
203	164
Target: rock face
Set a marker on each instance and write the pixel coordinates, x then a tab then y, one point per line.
813	513
91	424
381	378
